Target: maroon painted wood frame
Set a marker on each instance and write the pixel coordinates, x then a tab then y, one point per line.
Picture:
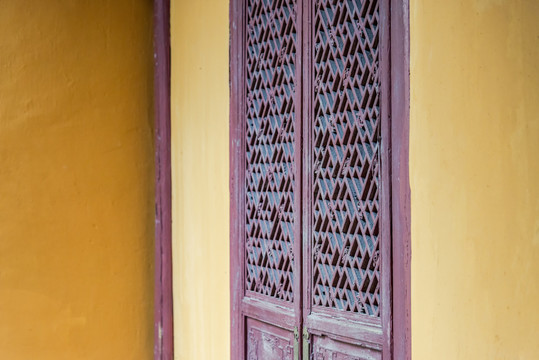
400	187
163	329
398	343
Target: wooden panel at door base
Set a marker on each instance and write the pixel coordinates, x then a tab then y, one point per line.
325	348
268	342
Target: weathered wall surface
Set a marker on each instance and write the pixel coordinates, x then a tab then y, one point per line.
76	180
199	40
474	168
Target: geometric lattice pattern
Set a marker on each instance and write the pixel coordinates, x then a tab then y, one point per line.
346	156
270	87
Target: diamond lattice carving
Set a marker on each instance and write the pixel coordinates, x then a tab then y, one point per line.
269	141
346	146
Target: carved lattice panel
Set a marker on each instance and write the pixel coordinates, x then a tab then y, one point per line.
346	155
269	147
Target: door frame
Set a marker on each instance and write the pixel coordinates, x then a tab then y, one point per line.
401	340
400	336
163	316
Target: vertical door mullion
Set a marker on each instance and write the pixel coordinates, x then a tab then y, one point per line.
298	198
237	159
385	199
307	160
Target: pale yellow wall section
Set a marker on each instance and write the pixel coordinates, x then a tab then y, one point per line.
76	180
474	161
199	40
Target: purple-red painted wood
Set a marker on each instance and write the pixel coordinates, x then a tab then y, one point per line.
236	250
252	131
400	116
386	199
306	29
395	315
370	333
163	320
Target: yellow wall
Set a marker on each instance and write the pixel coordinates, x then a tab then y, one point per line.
199	36
474	168
76	188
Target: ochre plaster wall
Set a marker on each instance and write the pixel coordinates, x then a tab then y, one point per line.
199	40
76	188
474	169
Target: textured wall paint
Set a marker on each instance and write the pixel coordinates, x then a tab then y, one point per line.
199	40
76	188
474	161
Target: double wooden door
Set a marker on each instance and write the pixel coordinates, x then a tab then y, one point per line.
310	205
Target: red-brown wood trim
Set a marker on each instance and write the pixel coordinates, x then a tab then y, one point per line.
400	116
320	318
163	329
386	180
236	130
399	339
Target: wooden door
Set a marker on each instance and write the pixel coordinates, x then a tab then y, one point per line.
310	194
346	223
266	179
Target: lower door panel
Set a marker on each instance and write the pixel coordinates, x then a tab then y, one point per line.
268	342
325	348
